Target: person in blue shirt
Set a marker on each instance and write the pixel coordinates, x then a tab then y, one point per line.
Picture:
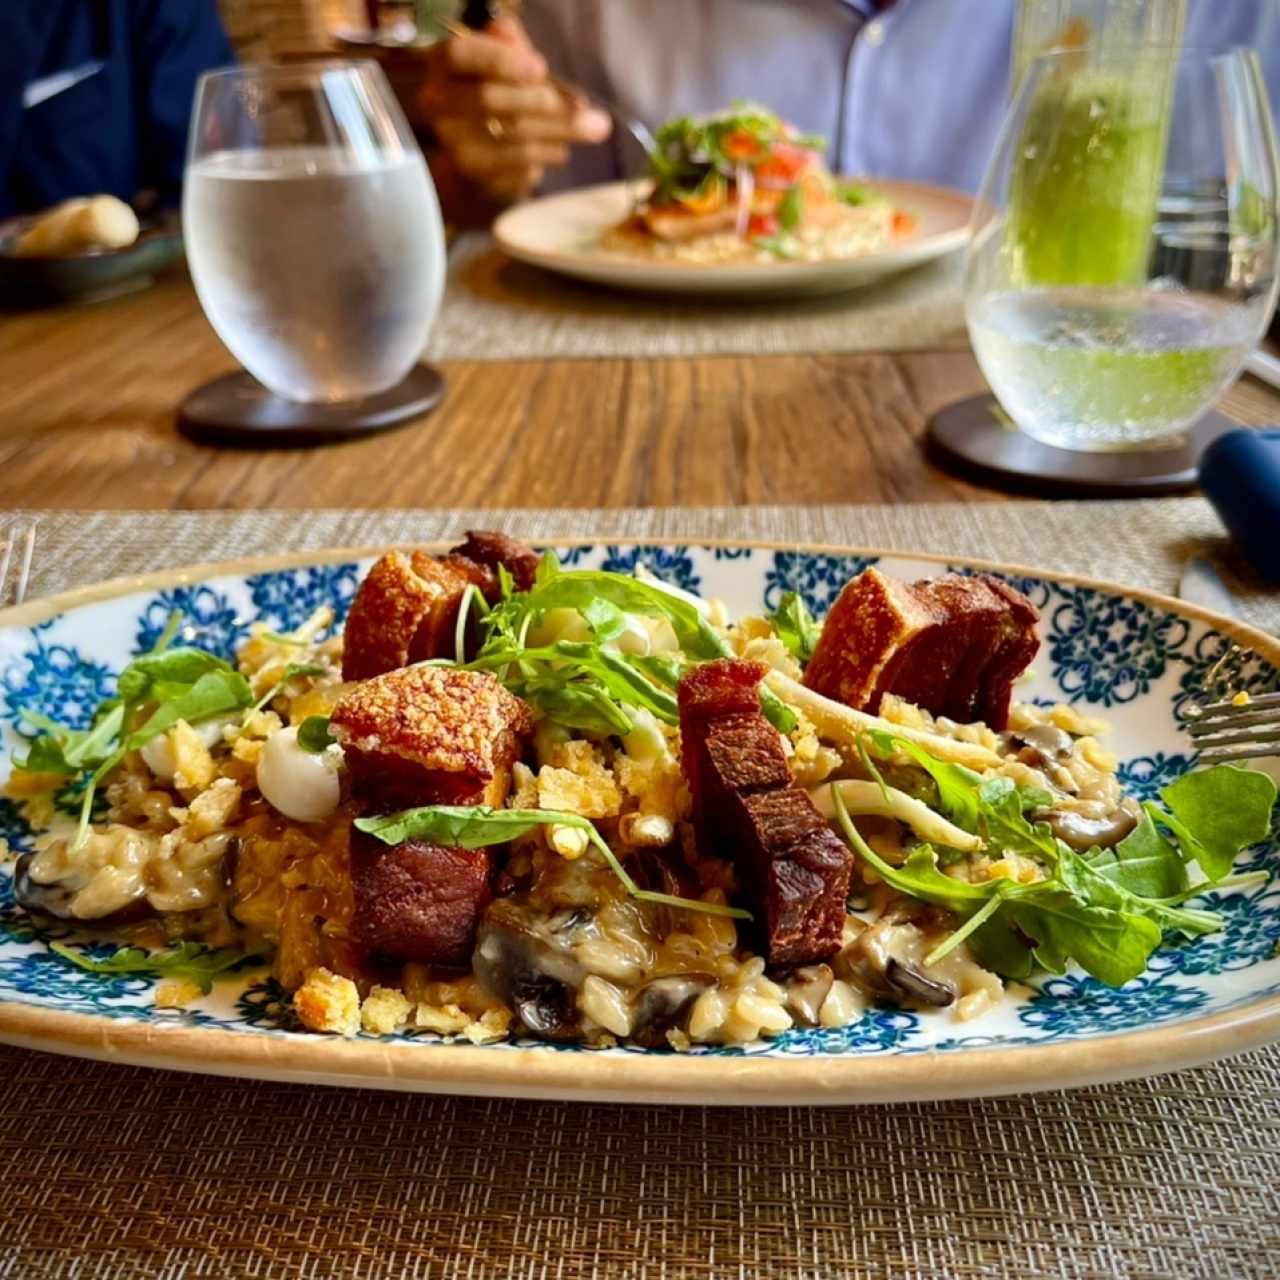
95	96
901	88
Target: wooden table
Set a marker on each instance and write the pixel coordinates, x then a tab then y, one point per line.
87	399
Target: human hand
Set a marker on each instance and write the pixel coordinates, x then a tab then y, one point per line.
502	123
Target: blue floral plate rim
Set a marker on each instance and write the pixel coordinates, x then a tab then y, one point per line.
638	1077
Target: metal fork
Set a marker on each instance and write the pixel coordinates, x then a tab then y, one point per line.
1237	729
16	554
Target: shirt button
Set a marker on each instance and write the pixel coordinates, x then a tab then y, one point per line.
873	32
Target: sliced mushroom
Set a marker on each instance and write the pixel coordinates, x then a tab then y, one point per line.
807	988
909	983
54	898
663	1005
886	960
1043	744
1083	833
528	964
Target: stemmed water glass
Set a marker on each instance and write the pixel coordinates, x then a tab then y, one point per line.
1123	257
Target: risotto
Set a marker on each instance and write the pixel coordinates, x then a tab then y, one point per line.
516	800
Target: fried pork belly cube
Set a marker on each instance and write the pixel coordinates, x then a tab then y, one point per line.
747	808
420	736
406	610
418	901
430	735
485	547
798	871
953	645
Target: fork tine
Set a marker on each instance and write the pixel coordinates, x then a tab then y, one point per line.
1260	701
1221	724
24	573
6	555
1267	735
1237	753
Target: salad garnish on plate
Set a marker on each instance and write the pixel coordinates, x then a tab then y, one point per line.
743	185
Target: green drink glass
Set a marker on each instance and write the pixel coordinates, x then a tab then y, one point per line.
1086	180
1123	252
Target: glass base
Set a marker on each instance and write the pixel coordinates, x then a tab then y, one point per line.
239	411
1175	438
974	437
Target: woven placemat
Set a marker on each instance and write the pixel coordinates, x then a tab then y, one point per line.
497	309
118	1171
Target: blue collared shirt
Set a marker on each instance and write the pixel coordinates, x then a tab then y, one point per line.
121	125
916	91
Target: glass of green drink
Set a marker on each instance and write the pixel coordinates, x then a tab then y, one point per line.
1123	258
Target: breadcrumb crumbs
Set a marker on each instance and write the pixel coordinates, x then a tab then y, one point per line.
384	1010
328	1002
174	993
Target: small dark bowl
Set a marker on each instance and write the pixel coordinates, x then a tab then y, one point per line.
88	276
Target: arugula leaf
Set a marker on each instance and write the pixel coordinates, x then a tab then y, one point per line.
46	755
1111	945
662	668
579	588
166	637
183	666
584	682
1143	863
1077	914
478	827
959	788
291	670
1089	884
791	208
1217	812
186	960
606	620
795	626
314	735
95	745
776	712
217	692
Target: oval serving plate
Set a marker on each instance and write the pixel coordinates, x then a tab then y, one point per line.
561	233
1137	658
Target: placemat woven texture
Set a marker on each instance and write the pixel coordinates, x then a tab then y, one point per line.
118	1171
497	309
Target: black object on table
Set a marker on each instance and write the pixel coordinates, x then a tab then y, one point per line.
973	437
239	411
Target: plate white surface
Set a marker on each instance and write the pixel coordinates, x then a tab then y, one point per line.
1137	658
561	233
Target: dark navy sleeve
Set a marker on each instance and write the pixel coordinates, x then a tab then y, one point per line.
174	42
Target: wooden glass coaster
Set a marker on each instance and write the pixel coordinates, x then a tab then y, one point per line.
237	410
972	438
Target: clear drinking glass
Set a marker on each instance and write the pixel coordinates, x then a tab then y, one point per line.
312	227
1122	261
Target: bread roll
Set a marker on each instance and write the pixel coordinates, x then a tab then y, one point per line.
93	222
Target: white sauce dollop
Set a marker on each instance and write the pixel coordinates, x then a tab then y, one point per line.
157	754
302	785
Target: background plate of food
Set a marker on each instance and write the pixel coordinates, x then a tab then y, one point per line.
84	250
701	823
737	202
